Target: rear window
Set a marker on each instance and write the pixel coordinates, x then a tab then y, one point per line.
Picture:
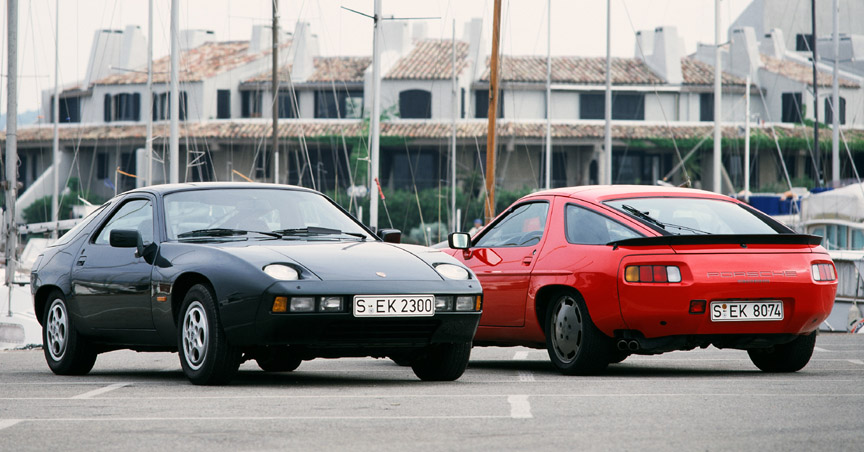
691	216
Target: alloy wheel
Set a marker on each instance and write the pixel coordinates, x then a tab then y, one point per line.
195	335
566	329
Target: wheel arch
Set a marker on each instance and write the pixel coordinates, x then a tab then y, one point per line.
40	299
181	286
544	298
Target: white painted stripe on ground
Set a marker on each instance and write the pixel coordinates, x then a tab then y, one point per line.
526	376
520	356
820	349
100	391
6	423
856	361
258	418
520	408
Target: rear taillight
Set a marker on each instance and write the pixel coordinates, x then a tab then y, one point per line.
823	272
652	274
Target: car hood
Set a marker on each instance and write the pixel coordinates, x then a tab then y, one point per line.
351	261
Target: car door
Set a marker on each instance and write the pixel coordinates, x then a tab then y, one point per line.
503	258
111	285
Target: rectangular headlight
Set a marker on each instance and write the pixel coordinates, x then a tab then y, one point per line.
443	303
465	303
302	304
330	304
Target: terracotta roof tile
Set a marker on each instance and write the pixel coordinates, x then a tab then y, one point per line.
577	70
430	59
698	73
802	73
327	69
196	64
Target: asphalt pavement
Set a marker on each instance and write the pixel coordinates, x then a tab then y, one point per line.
508	399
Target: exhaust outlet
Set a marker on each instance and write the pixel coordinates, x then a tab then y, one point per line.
633	345
622	345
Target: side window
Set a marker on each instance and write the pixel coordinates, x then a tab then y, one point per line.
135	214
585	227
522	227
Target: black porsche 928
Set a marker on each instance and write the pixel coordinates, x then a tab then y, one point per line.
227	272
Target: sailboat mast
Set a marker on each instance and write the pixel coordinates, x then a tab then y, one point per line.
453	106
548	182
815	95
174	98
148	140
717	160
835	100
11	144
376	118
606	176
274	88
55	145
493	114
747	140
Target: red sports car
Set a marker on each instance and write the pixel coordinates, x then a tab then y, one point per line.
596	273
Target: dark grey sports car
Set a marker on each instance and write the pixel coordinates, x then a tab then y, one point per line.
227	272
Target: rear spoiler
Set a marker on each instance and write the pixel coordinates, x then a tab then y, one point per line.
721	239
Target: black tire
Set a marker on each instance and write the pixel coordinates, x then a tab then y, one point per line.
277	359
575	345
617	356
789	357
205	354
66	352
442	362
403	359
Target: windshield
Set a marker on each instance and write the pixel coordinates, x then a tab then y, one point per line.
693	216
193	213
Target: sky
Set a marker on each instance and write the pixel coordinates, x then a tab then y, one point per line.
578	27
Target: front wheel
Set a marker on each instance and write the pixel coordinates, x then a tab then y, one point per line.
205	354
790	357
66	352
442	362
575	345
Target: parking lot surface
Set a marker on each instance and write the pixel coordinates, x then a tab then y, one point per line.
508	399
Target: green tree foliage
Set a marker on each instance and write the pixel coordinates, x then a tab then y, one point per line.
40	210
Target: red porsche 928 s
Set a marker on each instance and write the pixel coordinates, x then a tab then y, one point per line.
597	273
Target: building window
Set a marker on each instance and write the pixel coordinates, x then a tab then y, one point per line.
706	107
559	169
415	169
70	109
415	104
286	105
223	104
624	106
462	104
481	103
804	42
341	104
122	107
262	164
829	112
250	104
791	108
162	106
101	165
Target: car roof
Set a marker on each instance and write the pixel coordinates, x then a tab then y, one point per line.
600	193
171	188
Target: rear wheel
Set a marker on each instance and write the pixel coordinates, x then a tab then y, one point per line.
66	352
790	357
277	359
205	354
575	345
442	362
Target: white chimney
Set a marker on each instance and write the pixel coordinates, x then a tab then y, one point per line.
190	39
113	50
644	46
744	53
477	50
665	59
772	44
262	39
304	49
419	31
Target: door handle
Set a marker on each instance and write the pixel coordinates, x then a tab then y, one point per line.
527	260
81	260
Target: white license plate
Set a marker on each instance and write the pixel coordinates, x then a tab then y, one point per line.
394	305
746	311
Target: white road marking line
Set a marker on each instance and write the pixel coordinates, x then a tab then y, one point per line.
520	356
100	391
6	423
856	361
526	376
820	349
259	418
520	408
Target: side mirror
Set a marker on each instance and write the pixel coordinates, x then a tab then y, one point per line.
390	235
459	240
124	238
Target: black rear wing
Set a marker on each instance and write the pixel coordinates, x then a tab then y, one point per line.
721	239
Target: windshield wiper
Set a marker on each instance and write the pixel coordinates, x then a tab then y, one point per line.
315	230
687	228
642	215
222	232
